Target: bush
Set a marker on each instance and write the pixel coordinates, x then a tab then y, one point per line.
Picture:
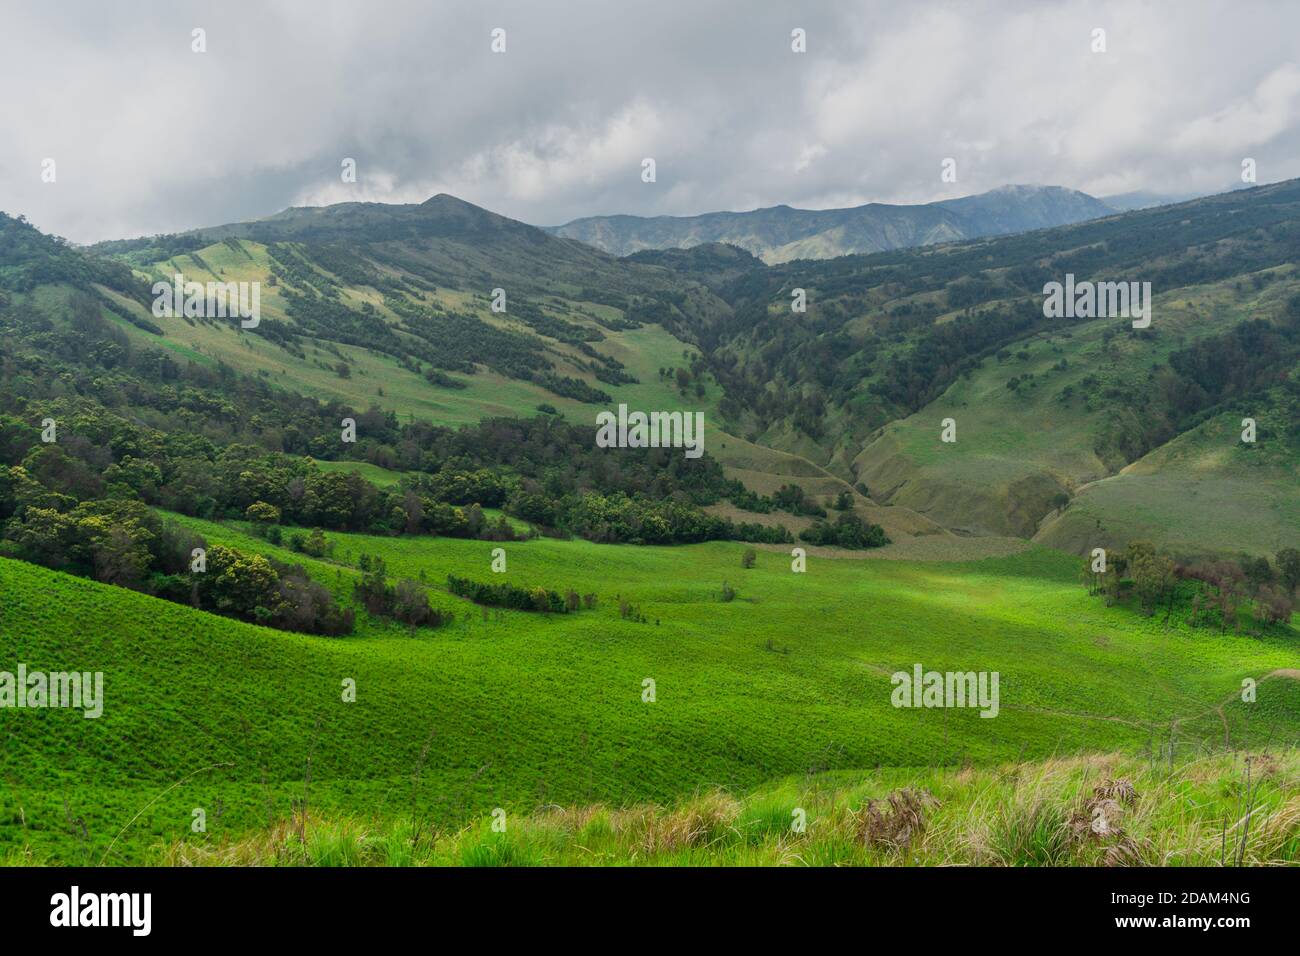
316	545
411	605
793	499
847	531
407	603
508	595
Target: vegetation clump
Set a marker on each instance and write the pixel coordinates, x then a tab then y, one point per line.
846	531
510	596
1210	591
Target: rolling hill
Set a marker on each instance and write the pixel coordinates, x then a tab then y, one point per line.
518	710
392	306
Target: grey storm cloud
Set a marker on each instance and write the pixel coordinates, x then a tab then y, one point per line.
148	136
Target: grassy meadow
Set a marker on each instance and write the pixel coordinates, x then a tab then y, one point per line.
1203	489
1102	809
521	711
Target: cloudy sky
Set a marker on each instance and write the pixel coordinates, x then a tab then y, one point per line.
148	136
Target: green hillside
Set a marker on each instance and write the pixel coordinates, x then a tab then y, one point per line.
519	710
892	344
475	432
1204	491
569	307
1043	418
383	378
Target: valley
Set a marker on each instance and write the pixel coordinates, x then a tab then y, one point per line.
826	538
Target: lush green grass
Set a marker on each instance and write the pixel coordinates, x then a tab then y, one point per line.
518	710
1098	810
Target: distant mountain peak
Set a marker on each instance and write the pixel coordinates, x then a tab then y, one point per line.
447	200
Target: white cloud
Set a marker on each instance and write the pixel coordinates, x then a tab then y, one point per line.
151	137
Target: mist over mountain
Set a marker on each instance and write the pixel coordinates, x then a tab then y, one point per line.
783	233
1149	198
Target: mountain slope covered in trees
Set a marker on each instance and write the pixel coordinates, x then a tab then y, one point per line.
893	344
393	307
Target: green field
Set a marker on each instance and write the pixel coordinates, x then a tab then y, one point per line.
516	710
687	702
380	477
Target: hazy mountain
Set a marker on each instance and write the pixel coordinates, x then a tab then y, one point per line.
782	233
1147	199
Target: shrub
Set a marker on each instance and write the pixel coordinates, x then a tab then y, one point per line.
407	603
316	545
508	595
847	531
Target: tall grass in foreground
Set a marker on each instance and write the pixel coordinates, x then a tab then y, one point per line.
1103	810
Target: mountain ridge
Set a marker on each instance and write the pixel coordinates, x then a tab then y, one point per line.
782	233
